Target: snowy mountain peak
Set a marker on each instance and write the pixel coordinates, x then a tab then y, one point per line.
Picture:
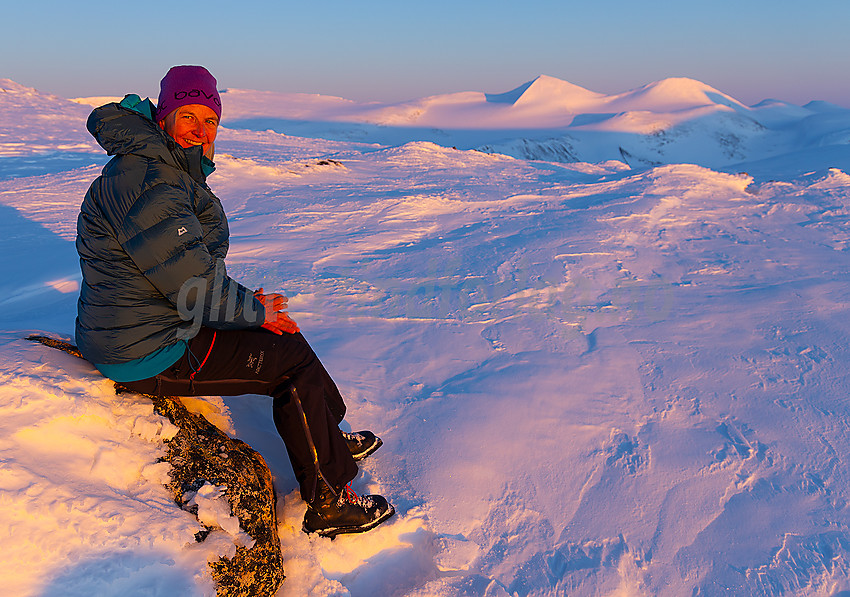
555	96
547	90
675	93
822	106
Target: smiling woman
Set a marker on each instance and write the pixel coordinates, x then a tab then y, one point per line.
190	125
189	107
159	314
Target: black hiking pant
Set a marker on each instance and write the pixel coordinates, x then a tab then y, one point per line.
307	406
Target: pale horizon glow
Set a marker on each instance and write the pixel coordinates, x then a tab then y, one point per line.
390	51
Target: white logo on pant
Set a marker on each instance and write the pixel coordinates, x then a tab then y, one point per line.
181	231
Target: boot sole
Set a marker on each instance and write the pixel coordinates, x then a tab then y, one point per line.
332	532
370	450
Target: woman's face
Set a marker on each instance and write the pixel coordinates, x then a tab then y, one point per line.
191	125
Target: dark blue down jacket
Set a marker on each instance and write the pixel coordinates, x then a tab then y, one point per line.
152	238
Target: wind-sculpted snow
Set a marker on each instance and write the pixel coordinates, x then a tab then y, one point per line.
83	503
591	378
42	133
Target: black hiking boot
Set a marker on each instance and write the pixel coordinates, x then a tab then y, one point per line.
330	515
362	443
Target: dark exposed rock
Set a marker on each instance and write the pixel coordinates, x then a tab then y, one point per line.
58	344
200	453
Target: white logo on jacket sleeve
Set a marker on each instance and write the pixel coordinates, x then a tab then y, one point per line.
181	231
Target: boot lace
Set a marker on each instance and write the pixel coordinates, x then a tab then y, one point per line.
352	437
348	495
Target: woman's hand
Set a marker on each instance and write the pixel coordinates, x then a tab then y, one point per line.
277	320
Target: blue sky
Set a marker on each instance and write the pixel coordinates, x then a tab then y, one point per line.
395	50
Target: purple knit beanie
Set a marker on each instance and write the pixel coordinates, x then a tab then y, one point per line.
184	85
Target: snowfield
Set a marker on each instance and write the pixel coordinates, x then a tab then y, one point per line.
604	339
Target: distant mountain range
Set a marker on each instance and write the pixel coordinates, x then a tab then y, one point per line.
675	120
669	121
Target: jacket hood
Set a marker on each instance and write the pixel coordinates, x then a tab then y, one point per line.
128	128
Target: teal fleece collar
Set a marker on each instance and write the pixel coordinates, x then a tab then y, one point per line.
134	102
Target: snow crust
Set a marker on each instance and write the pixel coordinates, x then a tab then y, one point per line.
614	376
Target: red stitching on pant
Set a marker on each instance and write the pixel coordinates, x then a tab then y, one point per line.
201	366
